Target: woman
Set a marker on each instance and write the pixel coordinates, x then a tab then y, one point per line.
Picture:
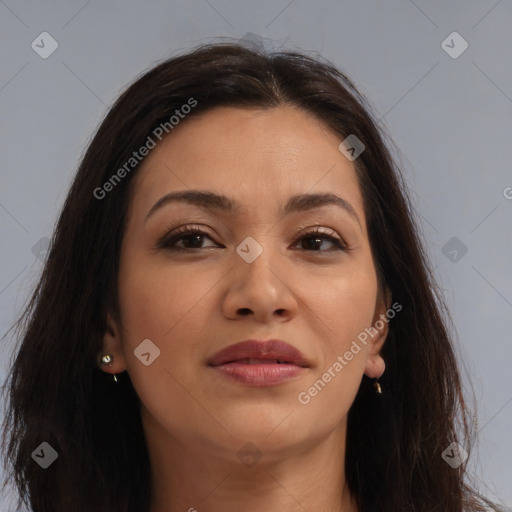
193	344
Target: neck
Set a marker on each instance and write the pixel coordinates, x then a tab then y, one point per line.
188	476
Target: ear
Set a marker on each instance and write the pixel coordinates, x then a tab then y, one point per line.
112	345
375	365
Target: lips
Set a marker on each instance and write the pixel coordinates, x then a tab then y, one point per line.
259	363
259	352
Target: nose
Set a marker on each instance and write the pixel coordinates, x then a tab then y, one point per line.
262	289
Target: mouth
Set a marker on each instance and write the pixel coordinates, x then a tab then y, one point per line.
259	363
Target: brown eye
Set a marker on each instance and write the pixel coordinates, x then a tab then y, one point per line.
191	237
315	238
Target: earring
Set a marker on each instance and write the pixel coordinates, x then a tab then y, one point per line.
377	387
107	360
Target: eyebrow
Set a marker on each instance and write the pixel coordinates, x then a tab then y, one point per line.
210	200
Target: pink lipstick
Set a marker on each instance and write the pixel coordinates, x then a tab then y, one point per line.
259	363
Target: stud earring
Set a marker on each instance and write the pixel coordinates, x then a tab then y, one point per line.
107	360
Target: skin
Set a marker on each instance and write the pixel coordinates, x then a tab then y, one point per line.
192	304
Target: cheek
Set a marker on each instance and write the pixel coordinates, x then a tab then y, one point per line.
343	306
161	305
164	305
157	299
347	309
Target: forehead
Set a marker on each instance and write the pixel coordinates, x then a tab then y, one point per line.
255	155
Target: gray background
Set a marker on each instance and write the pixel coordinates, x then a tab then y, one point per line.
451	119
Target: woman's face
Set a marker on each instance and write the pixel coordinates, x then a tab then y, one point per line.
256	272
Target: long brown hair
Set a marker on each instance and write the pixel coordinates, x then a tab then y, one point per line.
58	395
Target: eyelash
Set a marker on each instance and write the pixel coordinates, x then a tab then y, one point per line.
167	241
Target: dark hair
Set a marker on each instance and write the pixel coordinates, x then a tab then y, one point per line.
57	393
